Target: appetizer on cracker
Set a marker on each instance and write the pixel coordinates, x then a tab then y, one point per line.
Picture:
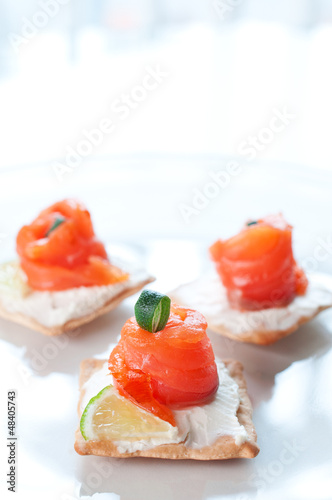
63	277
259	294
162	394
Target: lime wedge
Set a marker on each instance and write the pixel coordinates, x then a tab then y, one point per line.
13	280
152	311
109	416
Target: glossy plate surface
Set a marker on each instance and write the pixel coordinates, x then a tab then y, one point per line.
137	208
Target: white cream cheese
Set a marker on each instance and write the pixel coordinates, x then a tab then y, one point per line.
197	426
170	434
56	308
208	296
205	423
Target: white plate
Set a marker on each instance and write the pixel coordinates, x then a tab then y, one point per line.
290	382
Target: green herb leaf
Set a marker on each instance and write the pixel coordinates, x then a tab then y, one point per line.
251	223
152	311
59	220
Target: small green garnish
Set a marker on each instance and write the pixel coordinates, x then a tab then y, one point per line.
59	220
85	421
152	310
251	223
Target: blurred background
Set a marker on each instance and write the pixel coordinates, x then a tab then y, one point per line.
226	64
130	103
174	121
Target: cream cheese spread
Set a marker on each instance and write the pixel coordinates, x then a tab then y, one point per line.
197	426
56	308
209	296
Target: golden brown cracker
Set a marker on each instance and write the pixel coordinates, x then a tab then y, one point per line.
264	327
72	324
223	448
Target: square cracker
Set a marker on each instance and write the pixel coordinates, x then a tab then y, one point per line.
265	326
72	324
223	448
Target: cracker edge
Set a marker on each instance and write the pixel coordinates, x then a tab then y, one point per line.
223	448
72	324
265	337
261	337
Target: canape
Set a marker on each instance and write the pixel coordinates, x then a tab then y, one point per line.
163	394
63	276
257	293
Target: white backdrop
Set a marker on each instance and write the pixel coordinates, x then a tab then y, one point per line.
227	68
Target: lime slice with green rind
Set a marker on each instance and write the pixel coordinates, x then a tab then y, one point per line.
152	310
13	280
109	416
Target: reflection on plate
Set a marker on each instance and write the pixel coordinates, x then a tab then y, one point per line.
290	382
